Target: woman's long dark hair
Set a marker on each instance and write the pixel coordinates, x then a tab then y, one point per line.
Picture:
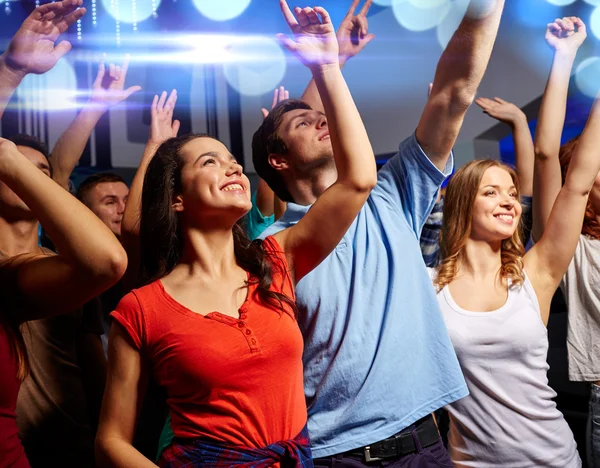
9	319
161	234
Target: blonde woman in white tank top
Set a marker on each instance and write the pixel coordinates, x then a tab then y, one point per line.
581	283
496	300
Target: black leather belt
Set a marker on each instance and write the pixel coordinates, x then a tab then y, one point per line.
401	443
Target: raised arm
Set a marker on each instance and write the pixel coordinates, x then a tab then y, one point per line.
549	259
565	37
352	36
33	49
320	230
458	75
511	115
90	258
162	127
107	91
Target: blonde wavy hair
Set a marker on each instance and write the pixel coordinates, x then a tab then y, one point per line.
458	215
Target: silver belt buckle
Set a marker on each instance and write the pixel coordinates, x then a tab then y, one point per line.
368	457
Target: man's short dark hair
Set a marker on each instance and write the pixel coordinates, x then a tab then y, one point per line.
90	182
30	142
266	141
34	143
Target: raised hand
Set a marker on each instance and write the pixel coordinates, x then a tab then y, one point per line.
32	49
7	148
353	32
162	125
280	94
108	89
566	34
501	110
314	42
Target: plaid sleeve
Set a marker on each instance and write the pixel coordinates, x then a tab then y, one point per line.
430	235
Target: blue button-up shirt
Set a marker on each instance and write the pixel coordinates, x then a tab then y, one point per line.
377	354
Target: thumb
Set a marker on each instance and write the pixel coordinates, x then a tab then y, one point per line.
265	112
129	91
286	42
175	127
61	49
369	37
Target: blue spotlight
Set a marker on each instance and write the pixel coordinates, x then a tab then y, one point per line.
219	10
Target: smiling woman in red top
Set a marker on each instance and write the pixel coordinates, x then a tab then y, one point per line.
214	323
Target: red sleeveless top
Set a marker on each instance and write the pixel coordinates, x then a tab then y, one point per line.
232	380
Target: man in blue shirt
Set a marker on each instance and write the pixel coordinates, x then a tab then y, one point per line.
377	358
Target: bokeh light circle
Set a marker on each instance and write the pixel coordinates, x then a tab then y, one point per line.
594	23
383	2
427	3
586	76
221	10
561	2
417	18
449	25
54	90
122	9
592	2
257	66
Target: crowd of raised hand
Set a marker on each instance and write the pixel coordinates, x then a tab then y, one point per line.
324	320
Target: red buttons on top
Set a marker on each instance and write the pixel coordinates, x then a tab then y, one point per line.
248	332
241	324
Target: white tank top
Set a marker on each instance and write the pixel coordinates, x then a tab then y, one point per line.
509	420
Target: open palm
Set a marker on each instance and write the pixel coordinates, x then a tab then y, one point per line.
314	40
33	49
162	125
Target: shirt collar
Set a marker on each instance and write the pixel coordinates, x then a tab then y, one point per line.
294	213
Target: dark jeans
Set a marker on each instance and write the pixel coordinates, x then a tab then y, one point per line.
593	432
434	456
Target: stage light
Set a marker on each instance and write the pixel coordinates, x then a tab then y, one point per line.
54	90
448	26
383	2
418	18
586	76
257	66
592	2
427	3
594	23
561	2
221	10
131	11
